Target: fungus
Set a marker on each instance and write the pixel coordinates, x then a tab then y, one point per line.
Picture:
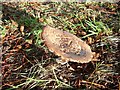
66	45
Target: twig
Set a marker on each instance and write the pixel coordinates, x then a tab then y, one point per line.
92	83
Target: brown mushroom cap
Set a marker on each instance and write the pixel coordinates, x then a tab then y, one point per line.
66	45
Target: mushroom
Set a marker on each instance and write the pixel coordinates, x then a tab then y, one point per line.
66	45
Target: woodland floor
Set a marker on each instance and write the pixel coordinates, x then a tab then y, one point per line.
28	64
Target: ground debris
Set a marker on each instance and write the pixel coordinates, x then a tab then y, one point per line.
29	65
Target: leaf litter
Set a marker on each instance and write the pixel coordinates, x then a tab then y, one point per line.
29	66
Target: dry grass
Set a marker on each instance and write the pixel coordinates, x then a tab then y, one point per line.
28	64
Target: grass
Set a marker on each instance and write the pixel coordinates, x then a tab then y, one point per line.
39	71
95	28
33	66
